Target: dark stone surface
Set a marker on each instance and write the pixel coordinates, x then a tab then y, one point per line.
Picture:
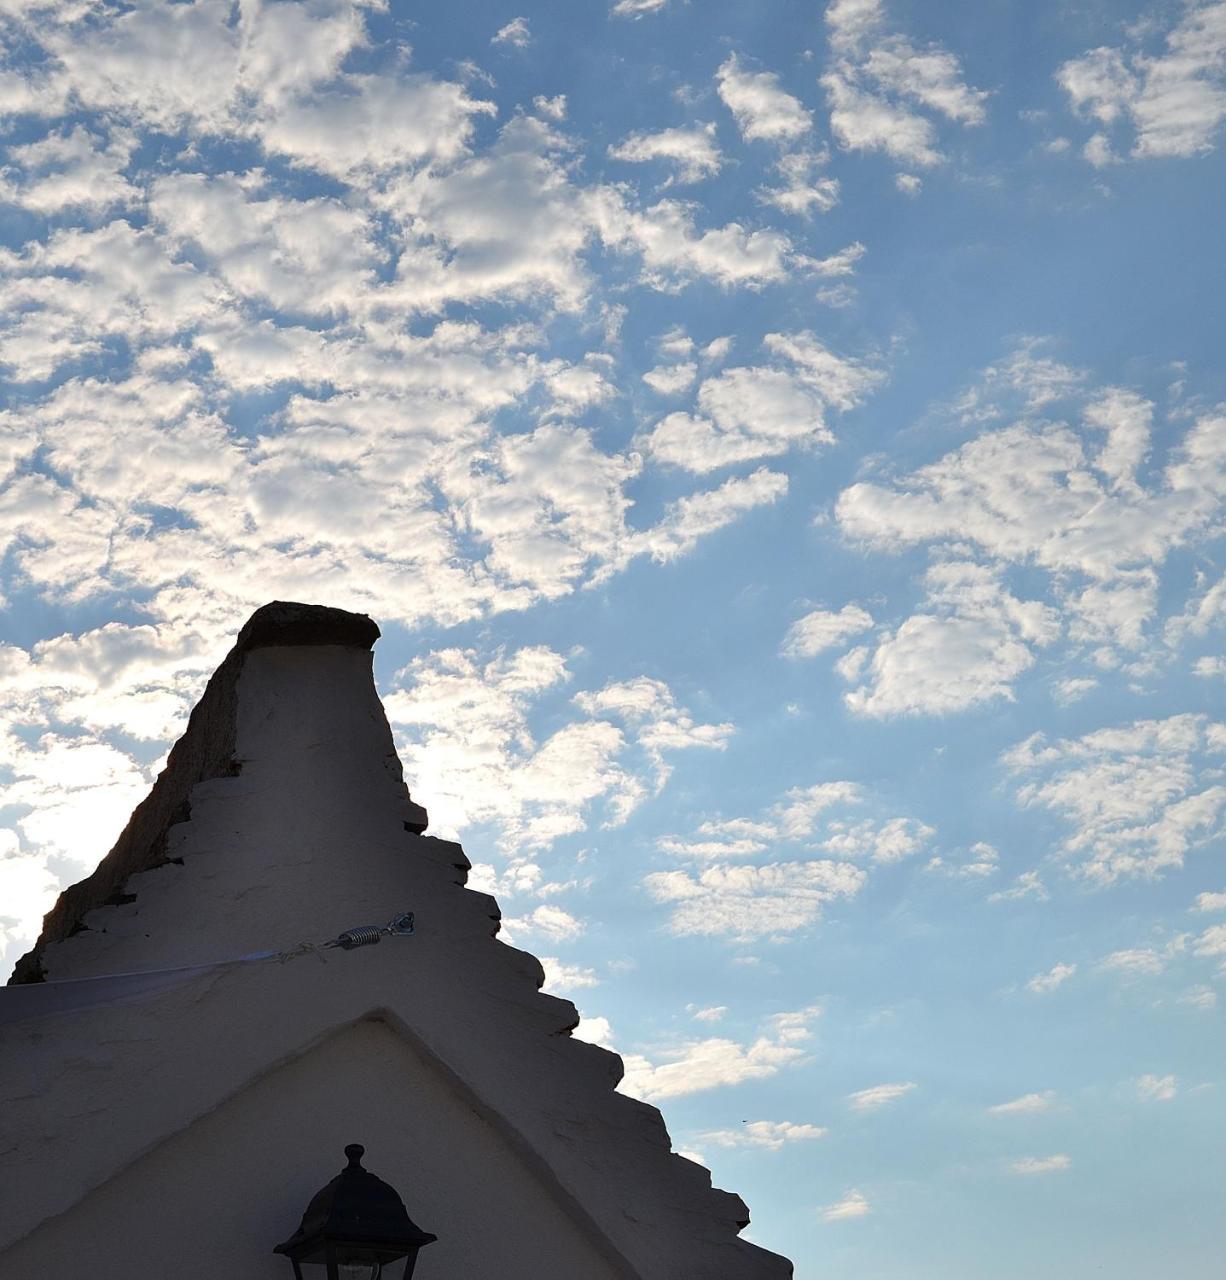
286	622
206	750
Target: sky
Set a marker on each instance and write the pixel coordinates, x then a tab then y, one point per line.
784	447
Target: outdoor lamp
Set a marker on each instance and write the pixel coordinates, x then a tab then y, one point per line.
355	1226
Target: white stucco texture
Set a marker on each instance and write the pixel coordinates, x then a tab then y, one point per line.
213	1200
189	1130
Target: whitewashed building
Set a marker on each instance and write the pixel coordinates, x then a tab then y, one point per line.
176	1122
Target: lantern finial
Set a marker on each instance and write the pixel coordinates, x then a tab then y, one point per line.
356	1221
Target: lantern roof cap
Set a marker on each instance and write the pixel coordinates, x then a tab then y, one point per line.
356	1207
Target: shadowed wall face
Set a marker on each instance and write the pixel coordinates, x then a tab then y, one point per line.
214	1200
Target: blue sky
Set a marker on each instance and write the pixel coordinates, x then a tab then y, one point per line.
784	448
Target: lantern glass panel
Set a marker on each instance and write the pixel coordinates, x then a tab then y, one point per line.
360	1270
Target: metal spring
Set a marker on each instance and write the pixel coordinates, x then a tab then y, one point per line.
361	936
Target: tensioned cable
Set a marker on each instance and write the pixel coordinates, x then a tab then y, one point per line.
39	999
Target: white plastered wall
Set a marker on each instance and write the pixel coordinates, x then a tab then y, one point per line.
213	1200
308	839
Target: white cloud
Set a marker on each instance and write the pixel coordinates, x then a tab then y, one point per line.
1212	942
1027	493
849	23
880	1095
883	842
511	222
1030	1165
595	1031
554	108
723	848
822	629
879	85
304	255
547	921
1100	83
1204	613
543	510
1134	962
520	875
28	890
851	664
969	646
371	122
771	1134
717	350
671	379
675	344
694	1066
1028	884
688	520
757	411
796	815
69	170
804	187
1037	495
465	734
506	222
271	53
673	249
853	1205
866	121
1097	151
79	792
693	152
1072	689
1152	1088
1029	1104
980	860
1174	100
932	77
842	263
742	903
636	8
164	65
1044	983
1136	798
1210	901
514	33
124	284
763	111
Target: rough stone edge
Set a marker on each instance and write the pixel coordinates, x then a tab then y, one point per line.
206	750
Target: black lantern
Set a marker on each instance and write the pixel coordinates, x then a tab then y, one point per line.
355	1227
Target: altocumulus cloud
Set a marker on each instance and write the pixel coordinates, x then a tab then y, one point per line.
578	384
693	1066
1172	100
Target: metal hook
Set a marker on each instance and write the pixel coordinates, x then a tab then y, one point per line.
400	926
